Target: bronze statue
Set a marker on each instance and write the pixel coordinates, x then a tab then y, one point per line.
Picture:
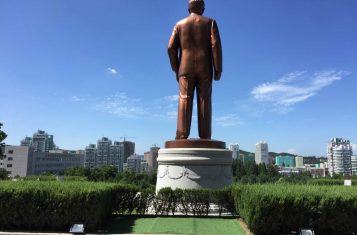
194	50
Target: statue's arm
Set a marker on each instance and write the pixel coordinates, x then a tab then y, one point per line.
216	50
173	50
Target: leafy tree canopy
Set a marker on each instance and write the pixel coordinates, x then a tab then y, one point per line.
3	136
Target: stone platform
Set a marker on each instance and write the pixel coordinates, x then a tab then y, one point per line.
203	164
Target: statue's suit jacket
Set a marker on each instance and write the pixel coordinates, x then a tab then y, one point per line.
194	45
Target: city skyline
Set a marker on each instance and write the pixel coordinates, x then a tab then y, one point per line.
83	70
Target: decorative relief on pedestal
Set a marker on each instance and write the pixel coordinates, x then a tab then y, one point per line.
194	168
163	173
177	172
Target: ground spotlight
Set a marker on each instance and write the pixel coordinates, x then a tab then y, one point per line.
306	231
77	228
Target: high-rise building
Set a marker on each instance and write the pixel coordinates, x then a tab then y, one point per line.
285	161
40	141
261	153
354	164
103	148
129	149
299	161
90	156
107	153
26	142
235	150
151	158
136	163
116	155
339	152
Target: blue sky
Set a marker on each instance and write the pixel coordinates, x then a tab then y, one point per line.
81	70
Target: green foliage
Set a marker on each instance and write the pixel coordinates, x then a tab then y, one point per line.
111	174
277	209
193	201
52	178
4	174
55	205
3	136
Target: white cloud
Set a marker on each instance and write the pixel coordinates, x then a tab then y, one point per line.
171	98
122	106
171	114
295	87
77	99
112	71
228	120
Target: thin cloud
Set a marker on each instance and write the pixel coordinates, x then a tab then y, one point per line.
122	106
228	120
295	87
171	98
112	71
77	99
171	114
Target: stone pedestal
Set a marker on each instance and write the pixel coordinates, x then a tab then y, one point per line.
194	168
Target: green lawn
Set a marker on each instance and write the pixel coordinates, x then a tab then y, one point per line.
159	225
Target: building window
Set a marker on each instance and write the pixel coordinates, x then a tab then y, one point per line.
9	165
9	158
10	151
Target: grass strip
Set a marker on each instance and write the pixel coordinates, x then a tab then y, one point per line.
166	225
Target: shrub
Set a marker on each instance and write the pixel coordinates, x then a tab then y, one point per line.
276	209
55	205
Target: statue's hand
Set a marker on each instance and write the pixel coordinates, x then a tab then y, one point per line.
217	76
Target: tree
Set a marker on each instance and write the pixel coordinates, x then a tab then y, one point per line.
3	136
240	169
4	174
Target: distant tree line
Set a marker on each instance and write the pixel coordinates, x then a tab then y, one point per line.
3	173
249	173
111	174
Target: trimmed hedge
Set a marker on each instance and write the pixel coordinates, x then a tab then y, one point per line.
51	178
277	209
52	205
56	205
193	201
326	181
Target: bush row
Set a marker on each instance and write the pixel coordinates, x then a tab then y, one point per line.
277	209
55	205
168	201
193	201
52	178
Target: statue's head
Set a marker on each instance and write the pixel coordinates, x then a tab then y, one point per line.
196	6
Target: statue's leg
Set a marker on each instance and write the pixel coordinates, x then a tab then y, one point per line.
204	107
184	116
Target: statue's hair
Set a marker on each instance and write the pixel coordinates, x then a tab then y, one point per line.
196	5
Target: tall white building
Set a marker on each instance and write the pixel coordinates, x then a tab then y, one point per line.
262	153
41	142
107	153
136	163
339	152
299	162
235	150
354	164
116	155
90	156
